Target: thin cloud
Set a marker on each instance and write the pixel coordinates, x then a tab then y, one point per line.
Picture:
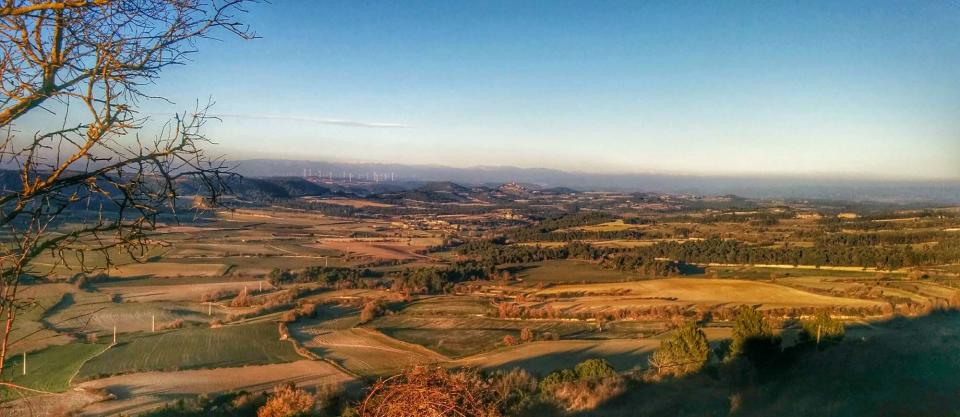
334	122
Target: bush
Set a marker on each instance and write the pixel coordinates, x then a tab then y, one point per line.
430	391
593	369
242	299
586	395
175	324
371	310
558	377
287	401
587	385
516	390
526	335
687	351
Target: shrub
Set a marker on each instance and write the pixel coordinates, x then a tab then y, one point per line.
242	299
509	340
558	377
515	389
287	401
430	391
175	324
526	335
687	351
371	310
593	369
586	395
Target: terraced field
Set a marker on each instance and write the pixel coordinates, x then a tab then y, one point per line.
546	356
699	291
362	351
463	336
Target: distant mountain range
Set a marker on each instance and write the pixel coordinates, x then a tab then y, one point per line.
943	192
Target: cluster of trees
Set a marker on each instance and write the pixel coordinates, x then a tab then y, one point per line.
335	277
754	341
492	253
546	230
436	280
570	235
647	265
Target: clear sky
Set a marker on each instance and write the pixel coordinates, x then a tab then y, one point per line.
845	88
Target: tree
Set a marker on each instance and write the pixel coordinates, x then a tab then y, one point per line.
77	68
526	335
753	337
822	329
242	299
685	352
371	310
287	401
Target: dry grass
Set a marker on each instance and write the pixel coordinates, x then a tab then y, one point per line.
699	291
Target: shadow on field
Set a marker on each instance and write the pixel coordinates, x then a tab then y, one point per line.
546	363
910	367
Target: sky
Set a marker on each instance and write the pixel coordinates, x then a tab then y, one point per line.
801	88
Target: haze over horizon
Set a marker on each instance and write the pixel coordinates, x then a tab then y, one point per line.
839	89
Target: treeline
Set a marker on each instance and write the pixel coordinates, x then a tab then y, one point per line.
496	253
334	277
735	252
652	259
756	219
436	280
883	238
545	230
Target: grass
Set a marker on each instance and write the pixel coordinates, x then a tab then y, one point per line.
567	272
545	356
463	336
193	348
363	351
449	306
29	332
49	369
699	291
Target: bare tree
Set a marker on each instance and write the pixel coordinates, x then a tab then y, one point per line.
78	178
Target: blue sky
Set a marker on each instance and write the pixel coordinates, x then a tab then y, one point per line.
865	89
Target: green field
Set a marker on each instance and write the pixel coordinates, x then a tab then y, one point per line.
463	336
192	348
49	369
29	332
568	272
450	306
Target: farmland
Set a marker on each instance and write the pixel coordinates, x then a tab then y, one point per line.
241	299
227	346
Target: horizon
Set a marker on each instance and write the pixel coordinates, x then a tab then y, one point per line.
852	89
827	176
